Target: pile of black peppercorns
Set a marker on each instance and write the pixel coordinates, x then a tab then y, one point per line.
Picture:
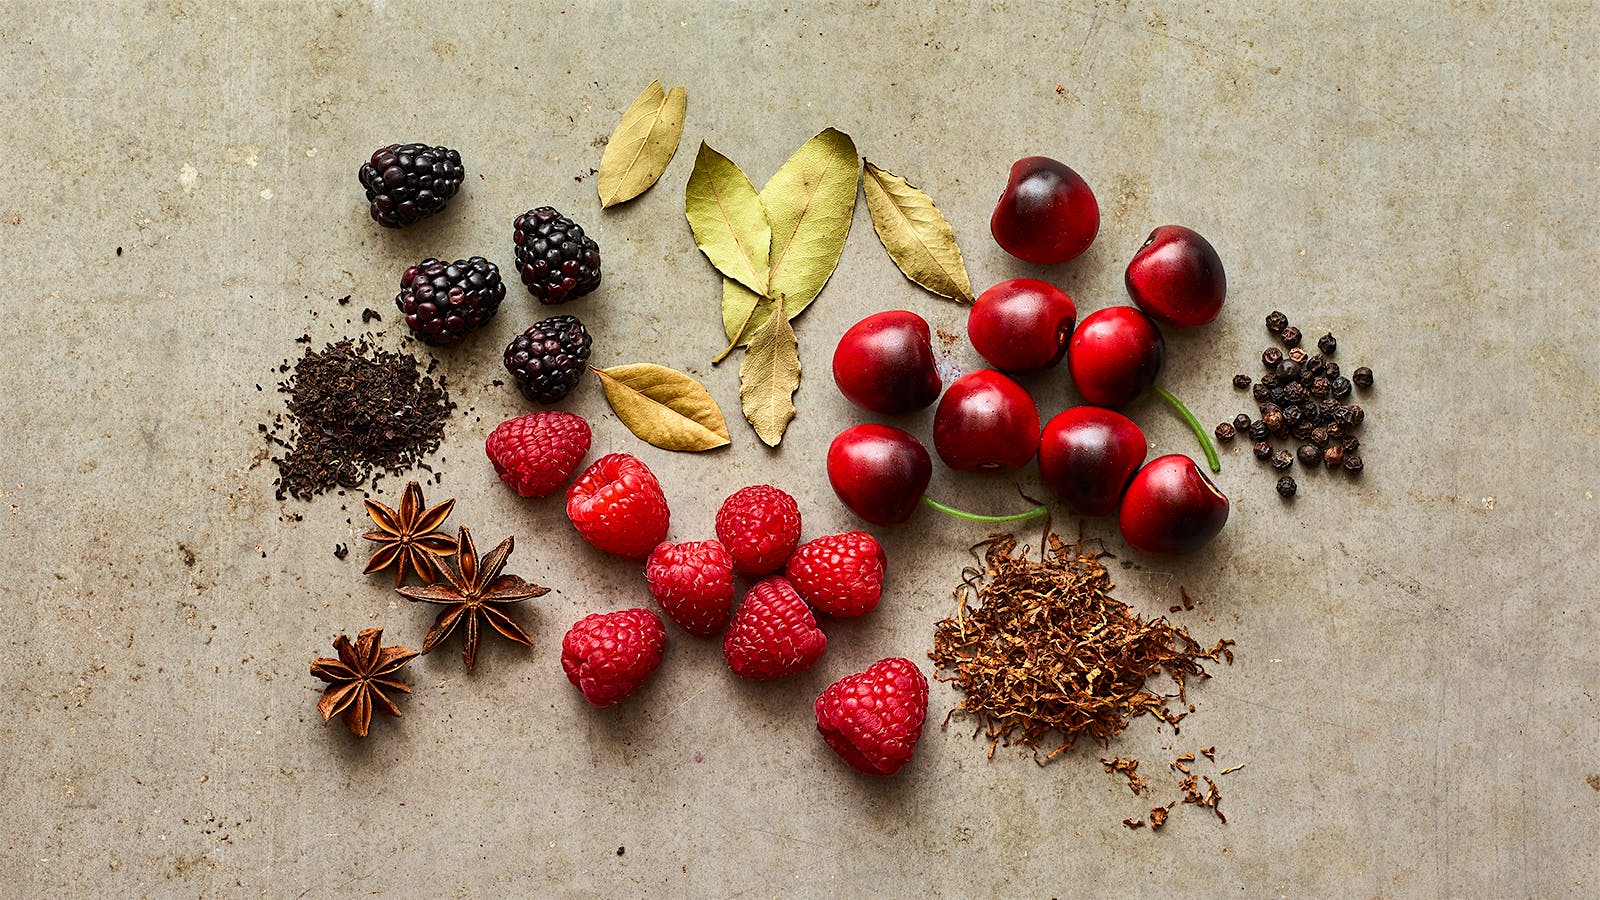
1301	398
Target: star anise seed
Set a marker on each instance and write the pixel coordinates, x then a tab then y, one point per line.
409	538
358	678
471	590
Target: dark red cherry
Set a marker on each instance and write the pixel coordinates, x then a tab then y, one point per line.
1022	325
1177	278
1088	455
884	363
1115	355
1171	507
986	423
1047	214
879	472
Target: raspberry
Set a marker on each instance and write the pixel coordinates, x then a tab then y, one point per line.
841	574
535	454
558	262
760	526
873	719
617	506
406	182
773	634
547	360
608	655
693	582
444	302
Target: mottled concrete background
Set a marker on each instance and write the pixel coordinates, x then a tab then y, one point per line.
1415	697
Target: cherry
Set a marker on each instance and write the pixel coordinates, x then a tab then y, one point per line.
881	473
1047	213
1171	507
1115	355
986	423
884	363
1088	455
1177	277
1022	325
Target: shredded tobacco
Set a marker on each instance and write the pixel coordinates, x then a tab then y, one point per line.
1040	647
1128	768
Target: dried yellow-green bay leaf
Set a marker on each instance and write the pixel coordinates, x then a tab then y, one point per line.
918	237
769	376
810	202
664	407
642	145
726	217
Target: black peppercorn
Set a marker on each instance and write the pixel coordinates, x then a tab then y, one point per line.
1262	449
1340	387
1273	419
1290	336
1320	386
1225	431
1299	356
1276	395
1260	392
1356	415
1282	459
1270	380
1309	454
1296	393
1241	381
1258	431
1334	430
1319	436
1292	416
1352	463
1286	486
1333	456
1302	431
1241	422
1362	377
1277	321
1271	356
1288	371
1327	344
1316	365
1331	370
1350	444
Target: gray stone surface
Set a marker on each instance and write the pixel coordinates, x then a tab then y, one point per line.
1415	697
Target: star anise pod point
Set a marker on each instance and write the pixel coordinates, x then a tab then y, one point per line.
409	538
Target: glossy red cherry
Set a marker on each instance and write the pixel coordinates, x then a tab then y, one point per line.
1177	278
1115	355
1171	507
1088	455
1022	325
986	423
884	363
1047	214
879	472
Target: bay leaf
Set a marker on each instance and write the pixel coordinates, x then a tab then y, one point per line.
916	234
726	216
769	376
645	141
810	202
664	407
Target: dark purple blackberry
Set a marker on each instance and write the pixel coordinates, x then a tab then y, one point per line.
547	360
443	302
558	262
406	182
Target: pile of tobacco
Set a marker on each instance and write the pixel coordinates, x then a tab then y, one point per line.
1041	647
1301	398
353	410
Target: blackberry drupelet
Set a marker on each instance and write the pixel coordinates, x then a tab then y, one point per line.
547	360
443	302
406	182
557	261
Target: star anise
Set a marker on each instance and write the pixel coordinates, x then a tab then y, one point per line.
408	538
358	678
471	590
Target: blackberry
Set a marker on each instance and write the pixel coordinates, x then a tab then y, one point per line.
406	182
558	262
547	360
443	302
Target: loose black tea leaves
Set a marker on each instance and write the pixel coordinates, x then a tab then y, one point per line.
1040	647
354	410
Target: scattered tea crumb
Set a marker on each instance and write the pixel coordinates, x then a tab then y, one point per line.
1158	816
370	315
340	551
1210	753
343	301
1133	823
1232	769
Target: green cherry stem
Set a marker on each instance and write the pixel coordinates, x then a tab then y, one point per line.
1194	426
1034	513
